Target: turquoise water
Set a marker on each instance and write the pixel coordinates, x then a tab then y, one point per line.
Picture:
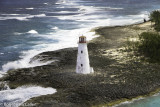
153	101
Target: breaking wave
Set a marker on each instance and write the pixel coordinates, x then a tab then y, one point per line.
16	97
32	32
20	17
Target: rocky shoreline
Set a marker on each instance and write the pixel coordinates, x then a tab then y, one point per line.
119	74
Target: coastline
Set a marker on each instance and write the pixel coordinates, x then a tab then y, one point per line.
122	101
112	63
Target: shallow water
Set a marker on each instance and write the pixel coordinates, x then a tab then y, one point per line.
153	101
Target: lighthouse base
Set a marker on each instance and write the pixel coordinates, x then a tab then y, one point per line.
91	70
81	72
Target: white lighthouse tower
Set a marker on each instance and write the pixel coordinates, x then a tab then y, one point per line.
83	65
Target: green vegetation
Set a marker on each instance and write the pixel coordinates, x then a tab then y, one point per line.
149	42
155	17
150	45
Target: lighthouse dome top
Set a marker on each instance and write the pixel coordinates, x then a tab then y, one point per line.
82	39
82	36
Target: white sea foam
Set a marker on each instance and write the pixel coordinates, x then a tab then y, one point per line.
141	15
16	97
40	15
63	12
2	74
86	14
32	32
29	8
88	9
21	17
60	2
66	12
45	3
25	61
111	8
17	33
4	86
55	28
18	18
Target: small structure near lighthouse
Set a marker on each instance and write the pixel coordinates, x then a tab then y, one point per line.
83	64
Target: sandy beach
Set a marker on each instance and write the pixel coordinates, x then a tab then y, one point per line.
120	72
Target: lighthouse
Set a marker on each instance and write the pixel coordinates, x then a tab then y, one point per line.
83	64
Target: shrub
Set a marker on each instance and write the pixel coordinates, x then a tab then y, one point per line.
150	45
155	17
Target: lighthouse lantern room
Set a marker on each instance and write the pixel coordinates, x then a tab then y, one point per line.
83	64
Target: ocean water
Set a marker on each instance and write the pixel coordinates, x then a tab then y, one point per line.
29	27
